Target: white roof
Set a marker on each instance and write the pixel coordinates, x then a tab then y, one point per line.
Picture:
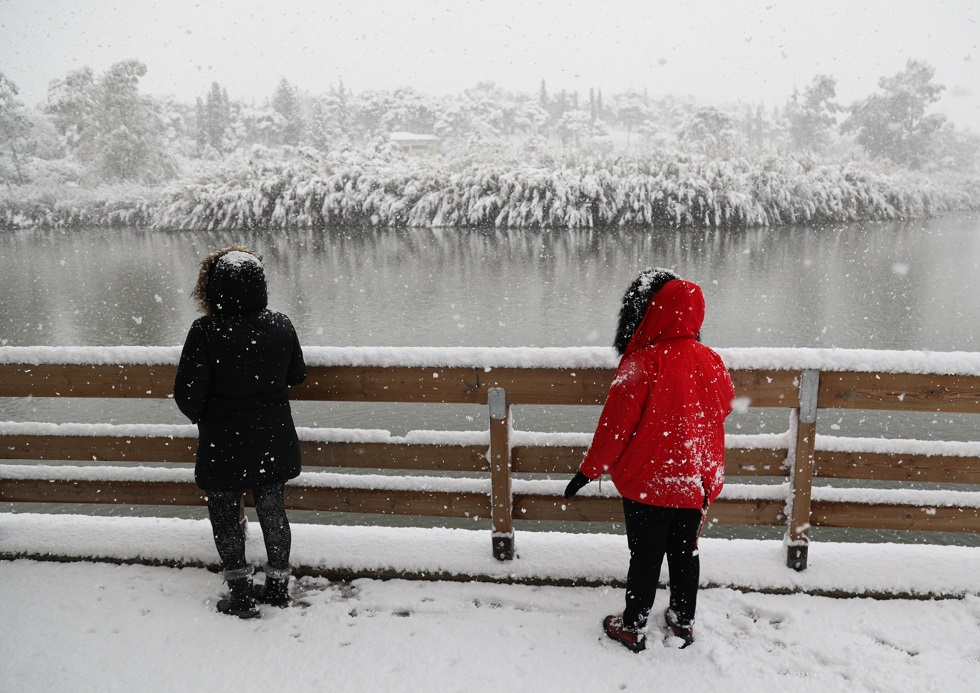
412	136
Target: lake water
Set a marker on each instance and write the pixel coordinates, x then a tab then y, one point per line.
885	285
909	285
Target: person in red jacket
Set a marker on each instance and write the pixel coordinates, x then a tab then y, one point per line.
661	438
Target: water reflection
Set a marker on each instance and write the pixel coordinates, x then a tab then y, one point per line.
886	285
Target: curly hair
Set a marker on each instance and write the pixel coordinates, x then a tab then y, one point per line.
200	291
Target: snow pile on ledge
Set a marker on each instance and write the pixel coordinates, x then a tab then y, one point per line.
860	569
777	358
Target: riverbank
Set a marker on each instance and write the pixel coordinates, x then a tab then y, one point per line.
103	627
294	188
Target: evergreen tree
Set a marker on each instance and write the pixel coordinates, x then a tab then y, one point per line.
286	103
200	131
330	122
217	119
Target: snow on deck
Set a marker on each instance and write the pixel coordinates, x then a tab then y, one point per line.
550	557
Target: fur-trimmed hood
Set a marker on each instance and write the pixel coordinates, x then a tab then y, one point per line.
635	302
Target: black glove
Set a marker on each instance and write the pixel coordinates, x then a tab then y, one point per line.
577	482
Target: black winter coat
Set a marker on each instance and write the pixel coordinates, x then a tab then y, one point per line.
232	381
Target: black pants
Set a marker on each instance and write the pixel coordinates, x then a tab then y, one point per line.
652	533
229	537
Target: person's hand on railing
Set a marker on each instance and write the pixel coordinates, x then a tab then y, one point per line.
576	484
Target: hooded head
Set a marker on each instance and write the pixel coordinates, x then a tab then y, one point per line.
658	306
231	281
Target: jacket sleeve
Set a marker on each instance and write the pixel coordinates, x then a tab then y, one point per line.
297	366
193	379
618	421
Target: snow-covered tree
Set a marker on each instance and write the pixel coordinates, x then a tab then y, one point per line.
286	103
955	150
894	124
331	119
811	116
490	110
214	121
631	108
573	127
530	118
252	125
109	126
369	109
711	131
14	129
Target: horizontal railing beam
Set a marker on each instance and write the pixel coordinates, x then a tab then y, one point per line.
395	456
466	505
474	505
97	448
610	509
959	394
899	517
889	466
325	499
747	462
163	449
102	491
355	455
74	380
414	384
556	459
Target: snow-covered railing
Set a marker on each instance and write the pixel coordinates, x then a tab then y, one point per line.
499	473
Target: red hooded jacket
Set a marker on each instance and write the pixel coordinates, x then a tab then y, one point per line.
661	433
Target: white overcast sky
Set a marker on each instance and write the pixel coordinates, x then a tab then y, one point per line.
716	50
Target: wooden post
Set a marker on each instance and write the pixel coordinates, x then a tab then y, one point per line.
801	479
501	499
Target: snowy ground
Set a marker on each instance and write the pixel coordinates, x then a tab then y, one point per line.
102	627
96	627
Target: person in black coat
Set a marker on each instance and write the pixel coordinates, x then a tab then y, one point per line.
232	381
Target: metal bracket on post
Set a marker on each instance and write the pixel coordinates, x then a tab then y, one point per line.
497	399
501	498
809	391
802	479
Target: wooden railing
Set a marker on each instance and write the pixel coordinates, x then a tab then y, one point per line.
503	468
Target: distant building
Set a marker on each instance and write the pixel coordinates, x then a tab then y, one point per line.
417	144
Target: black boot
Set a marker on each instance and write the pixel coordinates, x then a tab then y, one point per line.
240	603
275	591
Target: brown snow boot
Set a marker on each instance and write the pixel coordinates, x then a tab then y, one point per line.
685	633
632	639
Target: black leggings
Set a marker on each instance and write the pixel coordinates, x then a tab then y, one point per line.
229	537
653	532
